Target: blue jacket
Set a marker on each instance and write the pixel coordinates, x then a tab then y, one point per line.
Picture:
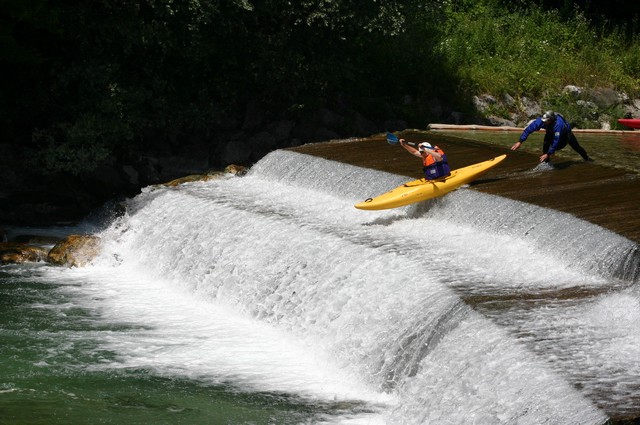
558	131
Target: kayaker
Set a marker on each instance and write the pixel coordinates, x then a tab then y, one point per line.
558	134
434	160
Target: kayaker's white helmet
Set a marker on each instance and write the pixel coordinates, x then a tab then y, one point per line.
424	145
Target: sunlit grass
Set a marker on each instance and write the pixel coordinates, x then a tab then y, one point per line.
535	53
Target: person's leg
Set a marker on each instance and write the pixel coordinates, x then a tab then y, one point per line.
573	142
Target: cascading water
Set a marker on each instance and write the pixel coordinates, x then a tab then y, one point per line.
466	309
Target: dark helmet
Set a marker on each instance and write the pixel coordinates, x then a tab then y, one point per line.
549	116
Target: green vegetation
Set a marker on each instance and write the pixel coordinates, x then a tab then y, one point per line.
535	52
92	82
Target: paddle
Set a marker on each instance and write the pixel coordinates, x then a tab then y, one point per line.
392	139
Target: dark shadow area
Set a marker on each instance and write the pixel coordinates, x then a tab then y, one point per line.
566	164
482	181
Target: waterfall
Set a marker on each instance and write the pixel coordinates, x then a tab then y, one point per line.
391	310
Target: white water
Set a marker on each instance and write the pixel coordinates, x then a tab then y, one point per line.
274	282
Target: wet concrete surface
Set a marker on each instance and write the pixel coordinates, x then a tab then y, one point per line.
602	195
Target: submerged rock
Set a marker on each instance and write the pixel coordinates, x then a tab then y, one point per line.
75	250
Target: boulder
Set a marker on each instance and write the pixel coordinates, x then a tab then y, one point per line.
483	102
508	100
75	250
17	253
530	108
604	97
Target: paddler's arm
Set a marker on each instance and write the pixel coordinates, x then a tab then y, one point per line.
434	153
410	149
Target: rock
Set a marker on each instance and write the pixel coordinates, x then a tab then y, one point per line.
499	121
193	178
18	253
588	109
573	91
631	109
605	98
238	170
75	250
483	103
508	100
530	108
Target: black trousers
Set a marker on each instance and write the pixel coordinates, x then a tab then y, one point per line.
569	139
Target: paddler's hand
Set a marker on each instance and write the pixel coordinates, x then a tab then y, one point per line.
516	146
544	157
402	141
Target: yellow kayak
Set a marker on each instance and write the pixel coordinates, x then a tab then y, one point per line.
423	189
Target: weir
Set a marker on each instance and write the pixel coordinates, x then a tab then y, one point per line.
594	248
450	311
603	192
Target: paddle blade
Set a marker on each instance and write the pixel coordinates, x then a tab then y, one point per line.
392	139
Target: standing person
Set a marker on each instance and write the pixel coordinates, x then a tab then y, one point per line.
558	134
434	160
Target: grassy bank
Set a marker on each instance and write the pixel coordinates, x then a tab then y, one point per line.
535	53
